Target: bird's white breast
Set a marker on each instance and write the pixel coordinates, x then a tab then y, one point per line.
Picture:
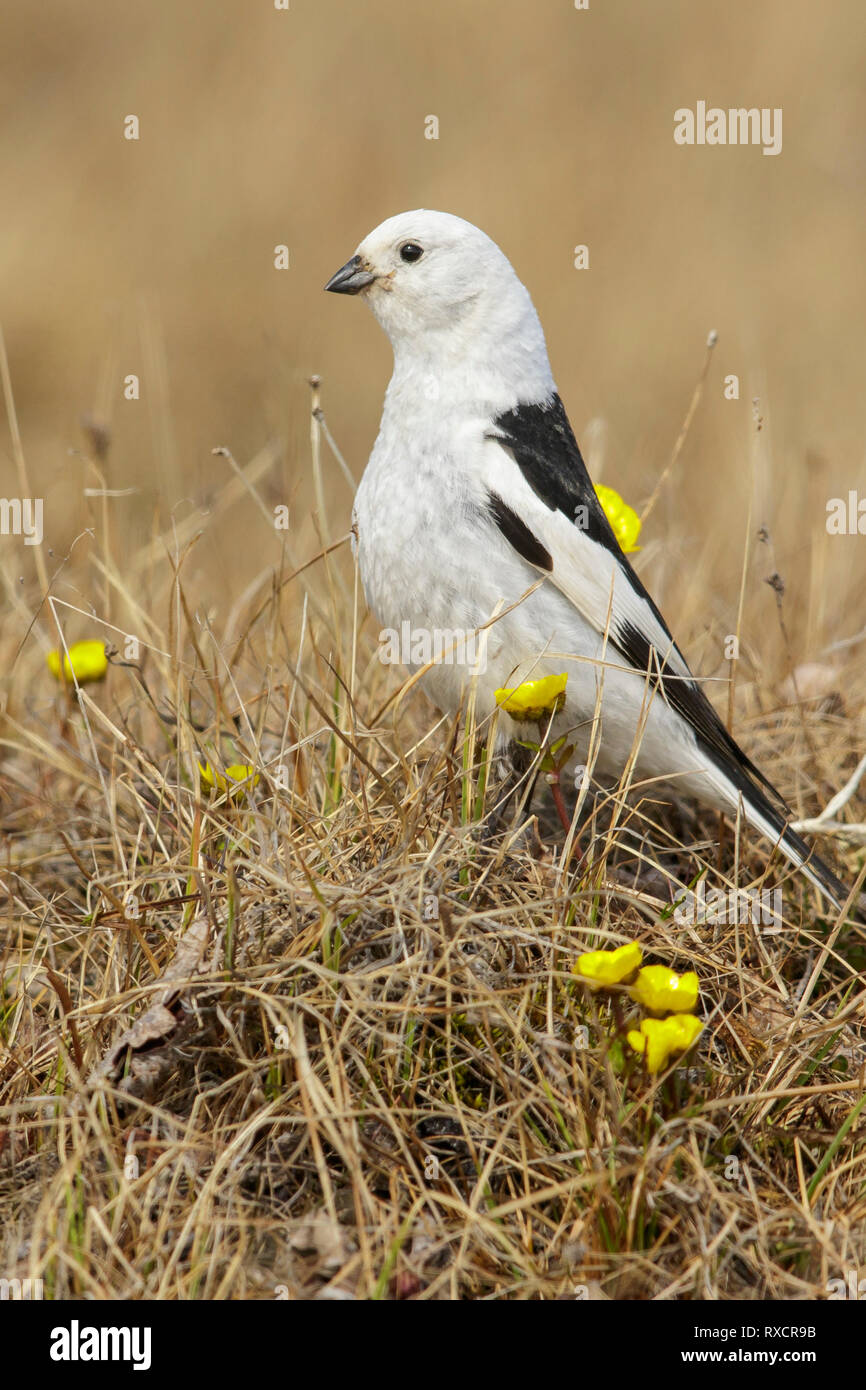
430	557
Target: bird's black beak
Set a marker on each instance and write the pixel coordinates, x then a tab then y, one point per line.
351	278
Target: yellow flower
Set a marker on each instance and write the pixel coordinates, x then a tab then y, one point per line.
534	699
660	1037
609	967
623	518
660	989
86	660
235	773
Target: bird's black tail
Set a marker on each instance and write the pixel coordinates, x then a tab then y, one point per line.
767	812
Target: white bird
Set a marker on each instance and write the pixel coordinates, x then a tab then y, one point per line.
476	489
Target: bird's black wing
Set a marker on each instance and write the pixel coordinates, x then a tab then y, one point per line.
541	442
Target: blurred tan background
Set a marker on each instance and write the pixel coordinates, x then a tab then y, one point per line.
306	127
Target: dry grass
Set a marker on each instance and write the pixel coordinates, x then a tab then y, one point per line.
311	1026
324	1038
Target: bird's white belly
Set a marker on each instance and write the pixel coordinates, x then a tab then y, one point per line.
426	578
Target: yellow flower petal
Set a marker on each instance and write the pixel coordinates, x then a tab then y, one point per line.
86	660
624	520
661	989
609	967
239	772
235	772
660	1038
533	699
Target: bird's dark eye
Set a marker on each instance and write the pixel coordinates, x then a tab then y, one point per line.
411	251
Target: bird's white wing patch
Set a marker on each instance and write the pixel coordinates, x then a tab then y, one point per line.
587	571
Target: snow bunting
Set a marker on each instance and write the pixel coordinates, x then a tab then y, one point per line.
476	490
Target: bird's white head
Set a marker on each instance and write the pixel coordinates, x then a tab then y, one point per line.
451	305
